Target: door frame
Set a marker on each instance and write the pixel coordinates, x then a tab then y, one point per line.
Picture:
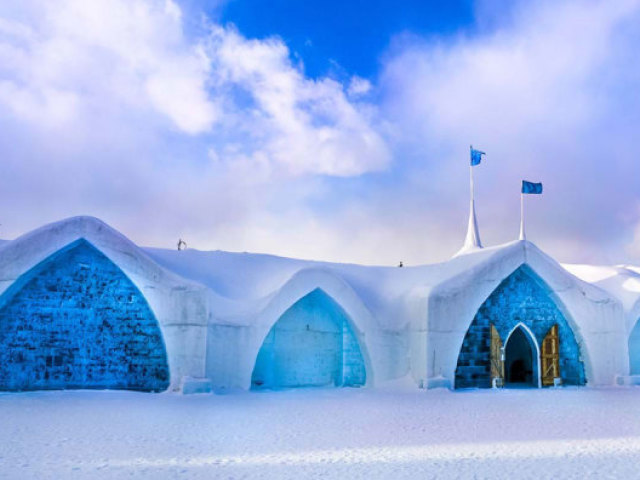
532	340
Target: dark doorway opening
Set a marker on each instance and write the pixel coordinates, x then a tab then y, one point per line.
520	361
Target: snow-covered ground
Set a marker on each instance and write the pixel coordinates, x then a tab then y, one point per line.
345	433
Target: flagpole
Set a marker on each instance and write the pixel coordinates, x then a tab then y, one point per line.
471	184
472	239
522	234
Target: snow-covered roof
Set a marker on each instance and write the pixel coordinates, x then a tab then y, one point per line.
622	281
241	284
250	280
19	255
216	289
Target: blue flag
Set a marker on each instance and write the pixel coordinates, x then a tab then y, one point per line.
530	187
476	157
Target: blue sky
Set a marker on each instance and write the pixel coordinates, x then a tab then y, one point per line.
345	37
336	131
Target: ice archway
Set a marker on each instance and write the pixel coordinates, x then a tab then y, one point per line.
311	344
522	297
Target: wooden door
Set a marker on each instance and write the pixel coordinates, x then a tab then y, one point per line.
497	362
550	356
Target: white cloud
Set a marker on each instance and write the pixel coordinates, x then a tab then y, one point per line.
359	86
75	56
60	61
304	125
110	108
533	73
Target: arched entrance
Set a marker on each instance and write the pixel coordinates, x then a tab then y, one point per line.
522	301
521	359
311	345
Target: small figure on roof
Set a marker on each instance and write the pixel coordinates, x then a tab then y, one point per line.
182	245
401	264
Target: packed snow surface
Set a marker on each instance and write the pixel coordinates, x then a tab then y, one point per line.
344	433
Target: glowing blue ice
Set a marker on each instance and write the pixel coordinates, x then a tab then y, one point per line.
521	297
76	320
312	344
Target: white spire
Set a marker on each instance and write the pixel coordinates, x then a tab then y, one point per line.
472	240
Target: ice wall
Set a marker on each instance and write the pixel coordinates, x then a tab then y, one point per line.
75	320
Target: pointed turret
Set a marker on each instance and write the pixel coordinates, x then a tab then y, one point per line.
472	240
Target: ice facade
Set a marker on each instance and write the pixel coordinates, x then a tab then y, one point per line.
102	312
522	298
76	320
312	344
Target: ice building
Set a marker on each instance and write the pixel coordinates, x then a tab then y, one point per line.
81	306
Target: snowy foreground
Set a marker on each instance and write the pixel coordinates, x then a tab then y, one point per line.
348	433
